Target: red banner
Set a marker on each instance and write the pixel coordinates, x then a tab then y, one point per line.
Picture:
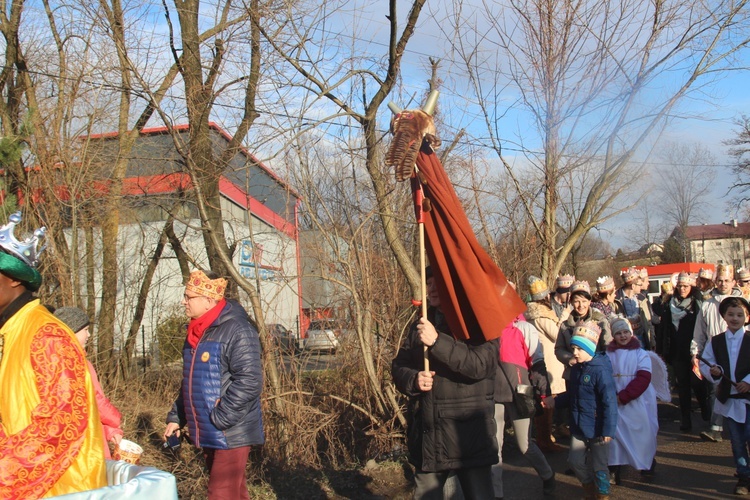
475	296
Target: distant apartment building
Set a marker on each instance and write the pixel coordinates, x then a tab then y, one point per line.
727	243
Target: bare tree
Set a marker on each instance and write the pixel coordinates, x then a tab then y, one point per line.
583	72
684	179
739	149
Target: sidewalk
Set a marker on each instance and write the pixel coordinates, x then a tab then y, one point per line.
687	467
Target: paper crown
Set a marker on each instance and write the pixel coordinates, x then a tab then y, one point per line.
605	284
685	278
630	274
618	324
565	281
537	288
724	271
667	287
643	273
580	286
743	274
25	250
706	273
202	285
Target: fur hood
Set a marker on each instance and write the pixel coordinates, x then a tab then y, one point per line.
538	310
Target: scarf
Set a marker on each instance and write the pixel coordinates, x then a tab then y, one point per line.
198	326
679	308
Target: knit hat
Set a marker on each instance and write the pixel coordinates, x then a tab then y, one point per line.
629	275
586	335
605	284
537	288
581	288
724	271
618	324
563	283
706	272
202	285
74	318
685	278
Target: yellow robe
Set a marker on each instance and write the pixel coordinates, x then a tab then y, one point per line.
51	440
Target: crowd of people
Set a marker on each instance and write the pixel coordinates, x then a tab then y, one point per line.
598	360
581	364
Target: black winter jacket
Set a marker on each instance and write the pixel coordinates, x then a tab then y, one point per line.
674	343
453	425
221	385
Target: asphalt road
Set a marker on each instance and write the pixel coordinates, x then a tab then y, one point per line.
687	467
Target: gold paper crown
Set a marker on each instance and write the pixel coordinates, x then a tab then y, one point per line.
565	281
685	278
605	284
537	288
588	329
202	285
667	287
724	271
580	286
706	273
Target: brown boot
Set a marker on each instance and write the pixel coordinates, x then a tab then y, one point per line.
543	424
589	491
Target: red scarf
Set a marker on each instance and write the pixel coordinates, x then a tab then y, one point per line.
198	326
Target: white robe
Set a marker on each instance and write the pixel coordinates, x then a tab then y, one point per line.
637	424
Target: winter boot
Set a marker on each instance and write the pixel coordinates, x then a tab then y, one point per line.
548	485
544	439
589	491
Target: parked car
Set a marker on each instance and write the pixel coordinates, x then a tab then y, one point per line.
283	337
321	336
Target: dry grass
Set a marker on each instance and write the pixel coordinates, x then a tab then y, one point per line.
315	447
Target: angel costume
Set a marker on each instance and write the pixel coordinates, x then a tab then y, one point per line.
634	443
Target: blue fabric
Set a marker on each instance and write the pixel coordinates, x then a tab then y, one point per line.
222	383
585	344
601	478
592	398
131	481
739	433
202	371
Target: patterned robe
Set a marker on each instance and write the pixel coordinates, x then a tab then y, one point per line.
51	440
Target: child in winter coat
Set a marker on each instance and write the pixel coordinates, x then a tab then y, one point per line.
77	320
726	362
592	400
634	443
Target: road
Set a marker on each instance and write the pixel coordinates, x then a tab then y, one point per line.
687	467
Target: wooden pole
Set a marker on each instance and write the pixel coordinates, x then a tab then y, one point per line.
423	271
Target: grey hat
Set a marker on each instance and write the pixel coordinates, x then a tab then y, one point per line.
75	318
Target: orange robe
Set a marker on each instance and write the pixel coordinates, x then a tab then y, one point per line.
51	440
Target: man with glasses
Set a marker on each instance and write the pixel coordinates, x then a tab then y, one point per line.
709	324
222	381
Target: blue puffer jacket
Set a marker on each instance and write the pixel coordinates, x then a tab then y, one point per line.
221	384
592	398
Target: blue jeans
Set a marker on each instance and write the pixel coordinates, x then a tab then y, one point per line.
739	433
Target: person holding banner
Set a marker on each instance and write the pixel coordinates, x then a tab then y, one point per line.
452	411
